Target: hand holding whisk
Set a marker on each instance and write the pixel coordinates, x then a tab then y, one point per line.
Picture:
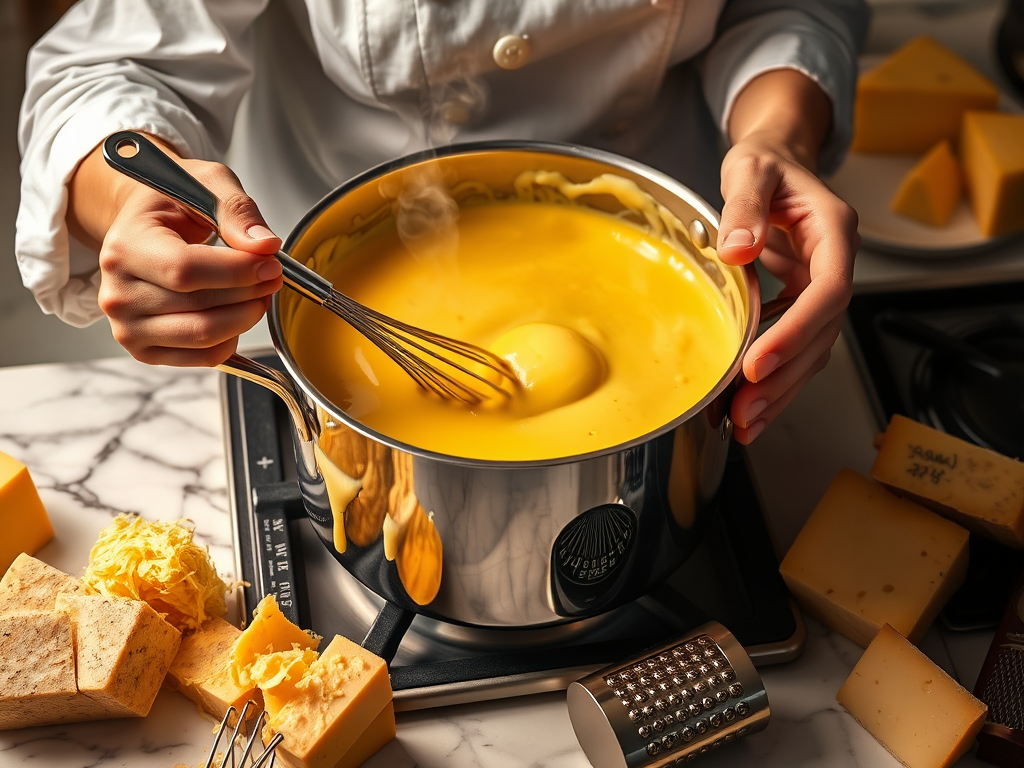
437	363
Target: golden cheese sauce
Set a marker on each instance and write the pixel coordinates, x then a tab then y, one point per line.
612	331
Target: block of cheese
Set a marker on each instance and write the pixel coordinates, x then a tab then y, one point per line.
123	649
866	557
26	526
978	488
931	189
338	699
992	151
32	585
201	670
917	711
37	673
268	632
916	98
377	734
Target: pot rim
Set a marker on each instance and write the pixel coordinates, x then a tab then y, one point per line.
752	285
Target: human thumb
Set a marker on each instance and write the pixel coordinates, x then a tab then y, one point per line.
744	226
241	224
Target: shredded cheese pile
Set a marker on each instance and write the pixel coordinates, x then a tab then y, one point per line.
159	563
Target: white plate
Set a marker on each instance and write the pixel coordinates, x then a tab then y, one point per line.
868	182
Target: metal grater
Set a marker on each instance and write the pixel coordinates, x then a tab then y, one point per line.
1001	686
670	703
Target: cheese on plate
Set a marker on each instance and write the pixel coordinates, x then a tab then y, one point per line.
978	488
26	526
992	148
916	98
931	189
866	558
918	712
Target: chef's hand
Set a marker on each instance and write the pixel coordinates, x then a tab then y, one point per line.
778	210
171	298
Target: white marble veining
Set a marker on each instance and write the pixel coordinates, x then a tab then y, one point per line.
117	436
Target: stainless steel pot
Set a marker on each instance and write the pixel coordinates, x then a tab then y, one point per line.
492	543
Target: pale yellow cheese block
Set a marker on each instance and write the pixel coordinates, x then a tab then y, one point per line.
26	526
917	711
32	585
931	189
916	98
866	557
346	690
37	673
992	150
978	488
123	649
201	669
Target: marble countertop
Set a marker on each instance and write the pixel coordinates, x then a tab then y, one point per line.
117	436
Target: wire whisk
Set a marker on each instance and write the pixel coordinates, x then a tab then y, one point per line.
247	758
440	364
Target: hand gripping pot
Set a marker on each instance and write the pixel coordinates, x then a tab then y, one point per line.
498	544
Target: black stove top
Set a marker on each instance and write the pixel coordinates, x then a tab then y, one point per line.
732	578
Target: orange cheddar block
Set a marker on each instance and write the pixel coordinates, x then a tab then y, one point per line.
32	585
866	557
123	649
201	669
37	673
26	526
992	150
980	489
931	189
268	632
918	712
342	696
916	98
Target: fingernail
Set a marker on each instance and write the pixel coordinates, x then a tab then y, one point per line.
259	232
752	411
269	270
764	365
755	429
739	238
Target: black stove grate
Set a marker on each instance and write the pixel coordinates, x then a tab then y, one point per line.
733	578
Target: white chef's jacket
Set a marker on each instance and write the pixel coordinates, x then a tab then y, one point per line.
329	88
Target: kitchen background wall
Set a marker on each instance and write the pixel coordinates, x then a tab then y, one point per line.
28	336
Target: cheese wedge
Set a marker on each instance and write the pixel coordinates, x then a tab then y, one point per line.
917	711
992	148
123	649
201	669
32	585
268	632
26	526
339	699
931	189
978	488
916	98
37	673
866	558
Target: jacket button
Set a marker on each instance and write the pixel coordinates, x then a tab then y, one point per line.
512	51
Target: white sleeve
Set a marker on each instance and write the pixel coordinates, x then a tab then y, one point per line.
177	70
819	39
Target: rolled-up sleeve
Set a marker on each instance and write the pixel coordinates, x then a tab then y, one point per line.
177	70
819	39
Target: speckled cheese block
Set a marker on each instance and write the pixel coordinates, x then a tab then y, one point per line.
917	711
32	585
866	557
123	650
37	673
202	669
978	488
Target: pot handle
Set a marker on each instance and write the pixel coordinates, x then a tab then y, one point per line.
280	385
774	308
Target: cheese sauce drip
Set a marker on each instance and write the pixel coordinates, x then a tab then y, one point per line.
612	330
